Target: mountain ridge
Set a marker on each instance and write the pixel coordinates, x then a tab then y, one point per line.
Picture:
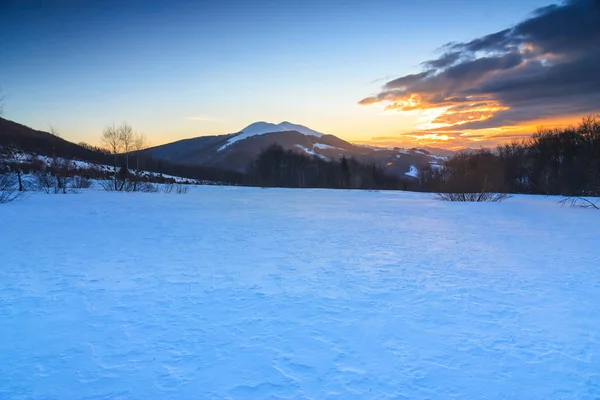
235	151
262	127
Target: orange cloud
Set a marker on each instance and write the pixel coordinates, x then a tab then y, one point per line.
504	85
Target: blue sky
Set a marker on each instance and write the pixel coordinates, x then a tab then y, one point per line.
189	68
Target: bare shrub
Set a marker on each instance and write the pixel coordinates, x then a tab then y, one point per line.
577	201
146	187
178	188
181	189
45	182
80	182
107	185
9	189
57	178
129	186
473	197
62	170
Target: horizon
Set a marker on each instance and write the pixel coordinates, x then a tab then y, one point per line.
380	74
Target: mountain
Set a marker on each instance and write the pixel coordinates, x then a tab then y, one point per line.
232	152
42	143
262	128
235	151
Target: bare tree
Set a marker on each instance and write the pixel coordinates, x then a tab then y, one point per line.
128	138
111	139
140	143
119	141
61	170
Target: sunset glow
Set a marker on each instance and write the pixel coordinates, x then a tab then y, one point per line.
488	75
505	85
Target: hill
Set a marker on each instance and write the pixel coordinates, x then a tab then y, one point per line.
237	150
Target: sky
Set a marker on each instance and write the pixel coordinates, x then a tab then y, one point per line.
378	72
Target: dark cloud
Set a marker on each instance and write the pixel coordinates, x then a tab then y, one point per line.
407	80
444	61
545	66
499	41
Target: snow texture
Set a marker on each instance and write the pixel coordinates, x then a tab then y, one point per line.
239	293
262	128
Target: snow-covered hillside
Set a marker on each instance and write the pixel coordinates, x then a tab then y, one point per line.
261	128
240	293
78	165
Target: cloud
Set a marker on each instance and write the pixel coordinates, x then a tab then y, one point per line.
546	65
448	140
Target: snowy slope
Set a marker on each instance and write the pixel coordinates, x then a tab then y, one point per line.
413	172
239	293
310	152
324	146
261	128
28	157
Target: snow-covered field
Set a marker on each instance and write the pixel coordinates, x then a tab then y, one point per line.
240	293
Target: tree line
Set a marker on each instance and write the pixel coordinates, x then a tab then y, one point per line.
562	161
277	167
558	161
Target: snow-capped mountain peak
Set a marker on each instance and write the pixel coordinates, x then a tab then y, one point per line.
262	127
288	126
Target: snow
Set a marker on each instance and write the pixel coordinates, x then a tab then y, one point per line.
262	128
414	172
26	157
325	146
288	126
240	293
440	158
310	152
